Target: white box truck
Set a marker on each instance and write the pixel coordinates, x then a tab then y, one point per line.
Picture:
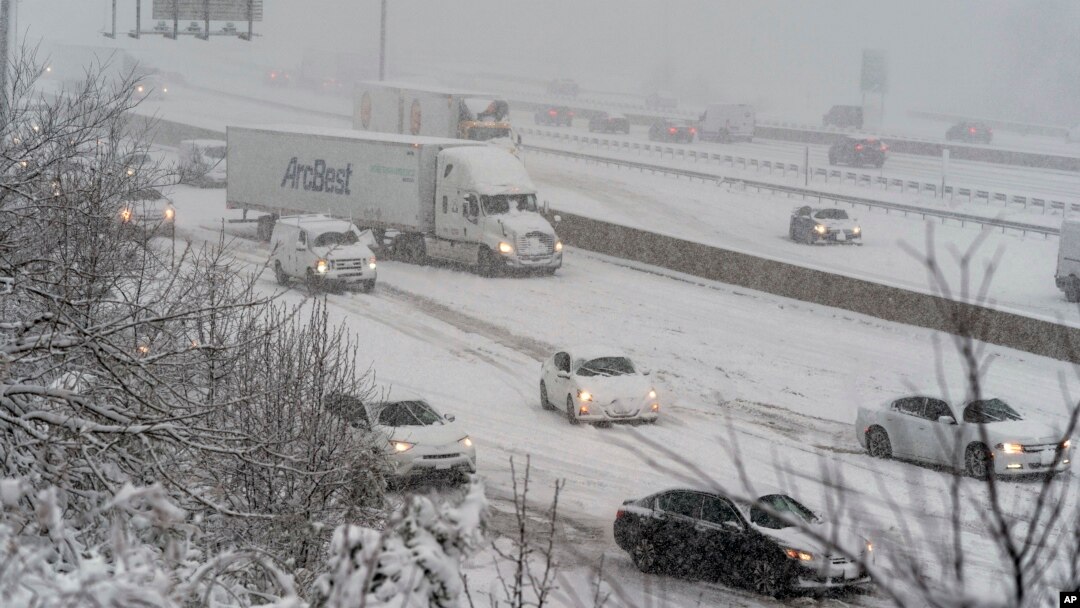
423	197
407	109
1067	276
727	122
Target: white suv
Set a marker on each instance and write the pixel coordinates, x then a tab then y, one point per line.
323	252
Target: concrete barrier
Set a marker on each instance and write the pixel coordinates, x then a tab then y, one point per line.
818	287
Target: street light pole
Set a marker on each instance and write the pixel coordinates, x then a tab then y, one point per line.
5	9
382	43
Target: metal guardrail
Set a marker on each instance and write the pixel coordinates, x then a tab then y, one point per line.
804	193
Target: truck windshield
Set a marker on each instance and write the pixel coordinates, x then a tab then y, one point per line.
333	239
508	203
486	133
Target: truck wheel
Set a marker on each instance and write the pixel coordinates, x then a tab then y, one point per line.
1072	290
265	227
486	264
279	274
367	286
414	250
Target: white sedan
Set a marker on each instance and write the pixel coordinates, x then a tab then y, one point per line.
987	438
416	438
597	384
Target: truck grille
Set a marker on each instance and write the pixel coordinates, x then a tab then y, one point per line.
535	244
346	264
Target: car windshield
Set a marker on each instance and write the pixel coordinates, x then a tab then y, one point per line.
332	239
831	214
508	203
790	511
606	366
488	133
146	194
408	413
990	410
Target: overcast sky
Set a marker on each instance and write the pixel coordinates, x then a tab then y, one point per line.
1010	59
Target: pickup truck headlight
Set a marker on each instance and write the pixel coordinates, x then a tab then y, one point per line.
322	266
558	246
506	248
371	263
856	230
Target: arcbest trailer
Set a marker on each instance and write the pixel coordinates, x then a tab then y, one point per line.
423	197
411	110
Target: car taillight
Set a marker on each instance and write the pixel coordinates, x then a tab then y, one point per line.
693	130
672	130
552	112
884	147
619	514
273	75
972	130
858	147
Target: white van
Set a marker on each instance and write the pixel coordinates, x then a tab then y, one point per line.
727	122
1067	276
324	252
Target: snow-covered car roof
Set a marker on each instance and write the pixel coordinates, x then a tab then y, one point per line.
317	223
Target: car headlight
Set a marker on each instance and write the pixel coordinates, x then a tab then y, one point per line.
170	213
401	446
371	263
856	230
584	396
869	547
652	393
1066	444
125	215
130	172
1010	448
820	228
465	441
558	245
802	556
322	266
506	248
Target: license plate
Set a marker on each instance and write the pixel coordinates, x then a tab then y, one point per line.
840	236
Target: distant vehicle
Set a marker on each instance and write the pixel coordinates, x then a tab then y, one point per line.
858	151
843	117
672	131
229	28
661	100
563	87
161	27
970	132
323	253
277	78
151	87
554	116
1067	276
760	545
203	162
809	225
457	201
988	437
136	162
597	384
193	28
609	122
727	122
417	439
148	211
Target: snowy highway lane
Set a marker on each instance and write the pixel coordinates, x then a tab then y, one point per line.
772	381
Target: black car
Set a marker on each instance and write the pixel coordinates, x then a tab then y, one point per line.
555	116
764	546
970	132
671	131
809	225
605	122
844	117
858	151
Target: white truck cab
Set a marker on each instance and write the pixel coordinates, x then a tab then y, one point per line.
323	252
1067	276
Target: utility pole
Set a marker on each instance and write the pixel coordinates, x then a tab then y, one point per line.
382	43
112	34
5	10
138	20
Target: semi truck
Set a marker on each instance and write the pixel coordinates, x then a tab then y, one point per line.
411	110
423	197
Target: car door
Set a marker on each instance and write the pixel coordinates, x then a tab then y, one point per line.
675	535
561	383
938	442
719	536
904	419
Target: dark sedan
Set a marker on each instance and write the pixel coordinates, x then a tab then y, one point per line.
671	131
605	122
555	116
857	152
765	546
970	132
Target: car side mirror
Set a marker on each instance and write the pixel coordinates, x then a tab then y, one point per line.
301	246
946	420
450	417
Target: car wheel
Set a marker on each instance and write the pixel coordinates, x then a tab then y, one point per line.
487	264
1072	290
767	577
570	415
645	555
791	231
878	444
978	462
544	401
279	274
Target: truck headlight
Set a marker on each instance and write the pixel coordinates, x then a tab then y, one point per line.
170	214
506	248
371	263
856	230
322	266
466	441
1011	448
558	246
820	229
